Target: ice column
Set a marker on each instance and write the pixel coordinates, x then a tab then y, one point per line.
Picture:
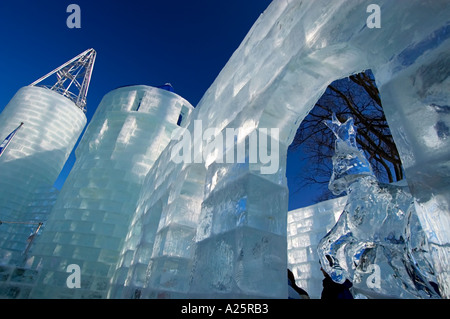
89	222
241	238
415	86
33	159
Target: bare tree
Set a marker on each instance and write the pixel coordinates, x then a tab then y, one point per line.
357	97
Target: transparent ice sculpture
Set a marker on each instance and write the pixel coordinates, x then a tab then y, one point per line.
377	243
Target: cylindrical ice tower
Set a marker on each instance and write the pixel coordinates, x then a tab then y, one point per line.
90	219
33	159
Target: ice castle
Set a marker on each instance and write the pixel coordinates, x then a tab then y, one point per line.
139	225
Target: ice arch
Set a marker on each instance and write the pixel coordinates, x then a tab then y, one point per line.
221	228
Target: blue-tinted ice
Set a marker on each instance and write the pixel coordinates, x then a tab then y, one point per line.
377	243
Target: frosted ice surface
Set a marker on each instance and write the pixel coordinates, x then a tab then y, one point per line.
238	263
374	243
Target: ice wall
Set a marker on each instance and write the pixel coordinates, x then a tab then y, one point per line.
89	221
274	78
306	227
33	159
17	278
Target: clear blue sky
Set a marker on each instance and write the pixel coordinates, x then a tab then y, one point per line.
186	43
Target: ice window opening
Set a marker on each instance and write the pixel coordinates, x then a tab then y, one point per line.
137	102
183	115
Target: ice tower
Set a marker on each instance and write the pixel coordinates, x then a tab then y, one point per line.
90	219
53	120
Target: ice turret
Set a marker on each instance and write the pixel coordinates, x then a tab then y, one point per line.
51	122
89	222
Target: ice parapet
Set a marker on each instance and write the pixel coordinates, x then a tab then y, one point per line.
378	234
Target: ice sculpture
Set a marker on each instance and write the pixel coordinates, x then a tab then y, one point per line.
219	230
349	163
372	242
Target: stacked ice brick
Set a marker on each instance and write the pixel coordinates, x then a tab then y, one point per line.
90	219
306	227
415	86
33	160
17	278
157	256
274	78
